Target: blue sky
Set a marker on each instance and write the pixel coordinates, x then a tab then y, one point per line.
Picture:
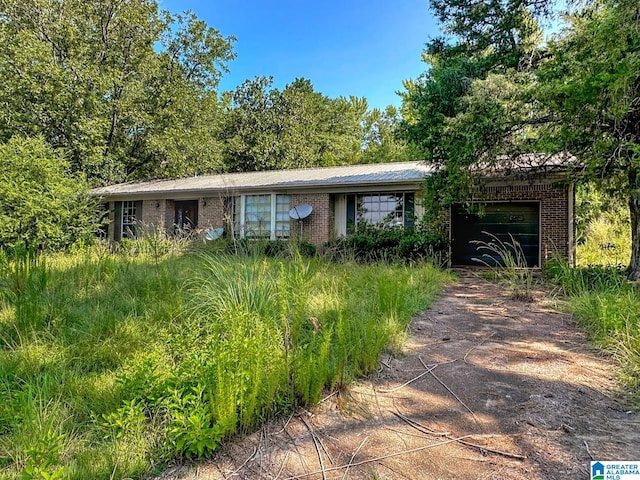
348	47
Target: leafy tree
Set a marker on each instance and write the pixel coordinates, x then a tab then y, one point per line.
590	86
124	88
577	93
380	140
465	106
42	204
266	128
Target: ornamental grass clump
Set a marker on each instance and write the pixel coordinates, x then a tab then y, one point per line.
507	261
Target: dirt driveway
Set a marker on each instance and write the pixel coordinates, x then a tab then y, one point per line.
488	388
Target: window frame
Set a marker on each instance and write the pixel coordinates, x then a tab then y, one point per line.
129	209
355	214
278	228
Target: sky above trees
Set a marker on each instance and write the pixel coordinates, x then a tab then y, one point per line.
345	47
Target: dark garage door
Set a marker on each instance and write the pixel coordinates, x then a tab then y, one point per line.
501	219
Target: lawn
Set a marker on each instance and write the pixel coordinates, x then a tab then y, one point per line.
113	365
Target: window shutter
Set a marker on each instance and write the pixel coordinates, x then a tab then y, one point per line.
117	221
409	210
351	214
139	211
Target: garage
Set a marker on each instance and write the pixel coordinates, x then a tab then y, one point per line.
521	220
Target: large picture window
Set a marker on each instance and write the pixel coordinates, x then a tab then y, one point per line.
262	216
385	209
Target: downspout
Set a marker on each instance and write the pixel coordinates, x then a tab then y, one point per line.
571	216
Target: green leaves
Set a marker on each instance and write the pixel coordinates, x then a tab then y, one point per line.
42	205
266	128
90	78
500	92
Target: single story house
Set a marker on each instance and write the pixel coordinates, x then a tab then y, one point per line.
537	211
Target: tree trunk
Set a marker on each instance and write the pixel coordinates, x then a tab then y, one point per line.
634	210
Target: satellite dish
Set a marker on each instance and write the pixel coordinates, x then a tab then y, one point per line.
300	212
214	234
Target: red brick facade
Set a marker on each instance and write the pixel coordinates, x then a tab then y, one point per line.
318	227
556	214
211	213
153	214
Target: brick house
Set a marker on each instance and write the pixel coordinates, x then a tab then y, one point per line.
538	212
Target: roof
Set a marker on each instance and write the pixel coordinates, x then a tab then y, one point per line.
333	179
381	174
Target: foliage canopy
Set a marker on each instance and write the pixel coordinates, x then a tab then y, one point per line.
501	90
124	88
43	204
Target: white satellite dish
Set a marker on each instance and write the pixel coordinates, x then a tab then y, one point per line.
214	234
300	212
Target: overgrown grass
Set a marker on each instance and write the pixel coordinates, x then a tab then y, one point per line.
114	364
607	238
608	308
598	294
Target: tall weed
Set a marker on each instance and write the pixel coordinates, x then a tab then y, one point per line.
606	239
130	360
595	278
507	260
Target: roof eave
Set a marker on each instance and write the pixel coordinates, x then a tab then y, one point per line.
290	188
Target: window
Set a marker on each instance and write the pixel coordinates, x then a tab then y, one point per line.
129	220
127	216
261	216
387	209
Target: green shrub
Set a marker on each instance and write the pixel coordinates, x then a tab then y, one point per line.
307	249
390	244
44	205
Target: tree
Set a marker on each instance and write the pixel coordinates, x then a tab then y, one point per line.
577	93
380	140
266	128
590	86
42	204
464	109
122	87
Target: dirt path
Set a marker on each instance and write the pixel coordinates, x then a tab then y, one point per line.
488	388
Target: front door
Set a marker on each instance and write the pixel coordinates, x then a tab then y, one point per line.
186	218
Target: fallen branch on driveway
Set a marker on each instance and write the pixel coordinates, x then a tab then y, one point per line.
450	391
429	369
377	459
427	431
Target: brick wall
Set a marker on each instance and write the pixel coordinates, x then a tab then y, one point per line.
211	213
152	216
169	215
317	228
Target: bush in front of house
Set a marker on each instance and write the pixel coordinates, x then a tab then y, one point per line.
391	244
269	248
44	204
